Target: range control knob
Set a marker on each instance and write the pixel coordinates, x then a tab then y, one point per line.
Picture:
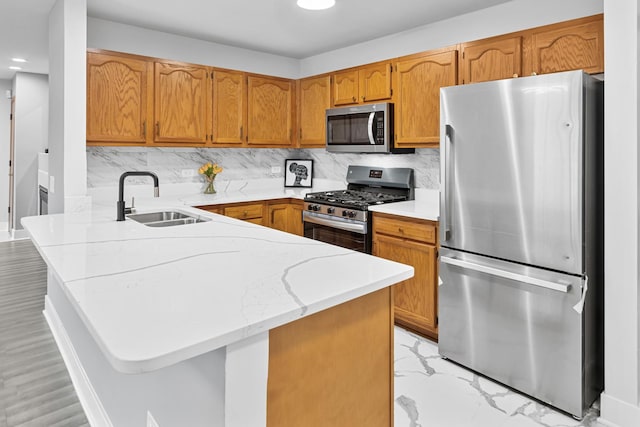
351	214
331	210
314	208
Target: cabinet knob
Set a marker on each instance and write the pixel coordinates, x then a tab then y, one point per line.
400	230
515	75
363	98
353	99
534	74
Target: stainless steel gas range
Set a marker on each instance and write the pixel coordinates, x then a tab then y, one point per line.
342	217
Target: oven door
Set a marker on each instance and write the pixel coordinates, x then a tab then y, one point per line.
354	235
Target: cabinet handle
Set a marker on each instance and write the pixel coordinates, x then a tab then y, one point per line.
241	132
300	133
244	213
363	98
400	230
144	128
354	99
157	128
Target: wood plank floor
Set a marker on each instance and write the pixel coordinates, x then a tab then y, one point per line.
35	388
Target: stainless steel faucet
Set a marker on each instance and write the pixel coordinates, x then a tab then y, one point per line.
120	206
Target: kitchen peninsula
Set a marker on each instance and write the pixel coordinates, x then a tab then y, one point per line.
221	322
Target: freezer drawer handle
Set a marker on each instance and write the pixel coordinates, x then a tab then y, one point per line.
506	274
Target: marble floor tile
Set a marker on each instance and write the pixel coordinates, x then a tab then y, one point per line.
433	392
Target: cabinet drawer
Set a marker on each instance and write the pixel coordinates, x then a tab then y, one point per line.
420	231
244	211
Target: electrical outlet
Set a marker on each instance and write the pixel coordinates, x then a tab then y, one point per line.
187	173
151	422
276	169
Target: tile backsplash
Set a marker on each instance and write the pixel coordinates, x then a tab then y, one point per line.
180	165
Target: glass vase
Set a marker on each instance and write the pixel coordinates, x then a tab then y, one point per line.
210	188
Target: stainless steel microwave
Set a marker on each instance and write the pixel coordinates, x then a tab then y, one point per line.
362	129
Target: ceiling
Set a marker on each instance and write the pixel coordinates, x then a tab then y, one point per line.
272	26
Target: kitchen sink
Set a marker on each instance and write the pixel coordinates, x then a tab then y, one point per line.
166	218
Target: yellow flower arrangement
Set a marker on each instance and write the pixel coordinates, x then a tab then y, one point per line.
210	170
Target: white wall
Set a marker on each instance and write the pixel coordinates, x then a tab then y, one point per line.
31	136
125	38
5	134
67	69
512	16
621	398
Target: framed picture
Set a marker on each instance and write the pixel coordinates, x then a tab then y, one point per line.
298	173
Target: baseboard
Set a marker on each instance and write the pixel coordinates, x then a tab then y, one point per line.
19	234
93	409
617	413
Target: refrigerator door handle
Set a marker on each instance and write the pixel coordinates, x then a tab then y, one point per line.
446	176
506	274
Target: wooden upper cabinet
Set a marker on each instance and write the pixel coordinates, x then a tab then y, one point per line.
564	47
364	84
375	82
491	59
417	97
182	103
314	99
229	107
270	111
118	103
345	88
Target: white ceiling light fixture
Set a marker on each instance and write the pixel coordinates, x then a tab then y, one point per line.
316	4
18	60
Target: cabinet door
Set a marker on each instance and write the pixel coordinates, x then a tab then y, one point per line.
118	107
417	106
414	299
491	59
270	110
315	98
278	216
296	226
573	47
375	82
229	107
182	98
345	88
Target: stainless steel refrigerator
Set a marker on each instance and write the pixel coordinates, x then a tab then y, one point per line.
520	295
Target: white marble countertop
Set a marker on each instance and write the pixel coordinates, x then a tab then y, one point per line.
425	206
152	297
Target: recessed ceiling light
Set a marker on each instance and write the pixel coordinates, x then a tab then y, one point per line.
13	67
18	60
316	4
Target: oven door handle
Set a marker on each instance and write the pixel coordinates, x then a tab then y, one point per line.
347	226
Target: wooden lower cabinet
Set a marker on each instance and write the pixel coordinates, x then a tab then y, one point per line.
335	367
281	214
412	242
285	215
250	212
